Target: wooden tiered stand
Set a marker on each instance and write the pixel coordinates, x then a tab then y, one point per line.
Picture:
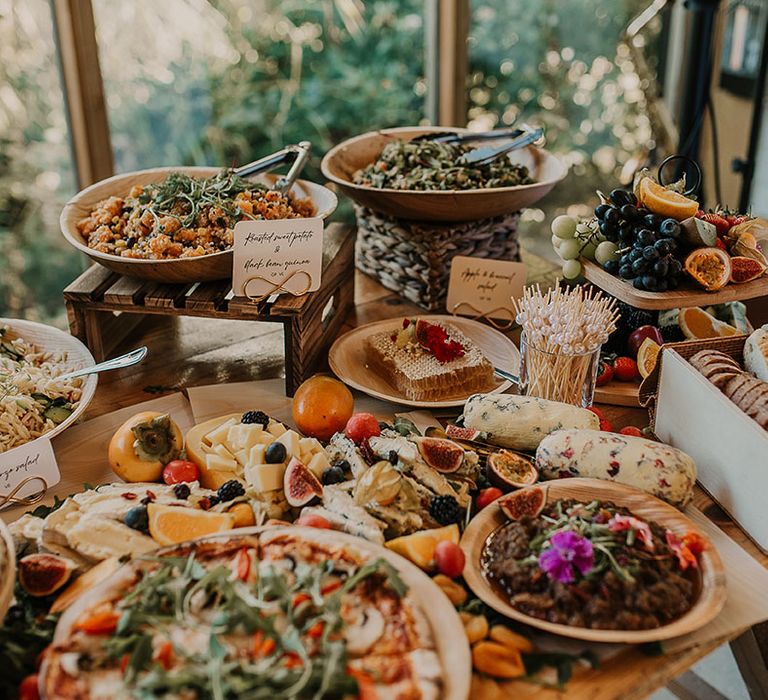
103	306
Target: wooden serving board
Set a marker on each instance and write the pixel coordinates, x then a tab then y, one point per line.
713	587
686	295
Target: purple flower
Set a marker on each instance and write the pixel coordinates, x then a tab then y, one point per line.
566	551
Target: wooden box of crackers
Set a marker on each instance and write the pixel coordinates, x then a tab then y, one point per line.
714	421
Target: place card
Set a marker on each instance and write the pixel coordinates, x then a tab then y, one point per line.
273	257
484	287
35	458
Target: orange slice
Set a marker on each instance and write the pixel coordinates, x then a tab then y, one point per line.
647	356
665	202
420	546
174	524
698	324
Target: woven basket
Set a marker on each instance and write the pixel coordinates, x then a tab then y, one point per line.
413	258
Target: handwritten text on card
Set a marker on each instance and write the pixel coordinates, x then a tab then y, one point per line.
36	458
481	285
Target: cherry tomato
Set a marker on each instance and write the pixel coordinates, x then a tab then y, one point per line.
180	470
487	496
597	412
28	688
604	374
449	559
606	425
312	520
362	426
631	430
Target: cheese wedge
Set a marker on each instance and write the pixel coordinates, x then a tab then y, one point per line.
265	477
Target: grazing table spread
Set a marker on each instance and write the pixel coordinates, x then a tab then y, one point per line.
184	354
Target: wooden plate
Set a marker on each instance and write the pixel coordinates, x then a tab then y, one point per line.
687	294
200	269
342	162
618	393
347	359
713	591
54	340
447	628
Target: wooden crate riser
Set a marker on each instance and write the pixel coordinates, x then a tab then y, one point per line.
103	307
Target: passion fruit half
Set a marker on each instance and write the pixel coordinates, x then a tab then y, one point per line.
508	470
709	267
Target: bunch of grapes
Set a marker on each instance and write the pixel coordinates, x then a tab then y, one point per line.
572	239
646	243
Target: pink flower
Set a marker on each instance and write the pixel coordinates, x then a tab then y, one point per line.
687	548
622	523
567	550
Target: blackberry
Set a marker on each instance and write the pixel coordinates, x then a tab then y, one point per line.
640	317
181	491
255	417
672	334
230	490
445	509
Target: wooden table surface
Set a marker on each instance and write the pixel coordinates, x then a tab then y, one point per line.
185	352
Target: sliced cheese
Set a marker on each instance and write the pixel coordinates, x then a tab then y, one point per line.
309	446
256	455
318	464
265	477
275	428
290	440
220	463
242	457
222	451
218	435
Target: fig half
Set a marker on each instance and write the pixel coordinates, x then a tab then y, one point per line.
527	502
43	574
301	486
442	455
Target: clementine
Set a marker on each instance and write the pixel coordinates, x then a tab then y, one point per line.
322	406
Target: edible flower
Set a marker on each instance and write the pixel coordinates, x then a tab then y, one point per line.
567	550
686	548
641	529
437	342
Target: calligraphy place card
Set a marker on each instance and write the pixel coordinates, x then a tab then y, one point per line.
285	255
34	459
484	287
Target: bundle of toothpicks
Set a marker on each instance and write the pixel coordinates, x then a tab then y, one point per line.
563	329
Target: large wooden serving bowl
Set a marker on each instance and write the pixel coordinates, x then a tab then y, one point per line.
205	267
342	162
707	606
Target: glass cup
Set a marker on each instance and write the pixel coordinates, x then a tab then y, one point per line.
558	376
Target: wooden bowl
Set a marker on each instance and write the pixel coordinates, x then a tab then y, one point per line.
342	162
707	606
52	339
200	269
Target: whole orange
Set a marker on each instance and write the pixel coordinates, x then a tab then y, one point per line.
322	406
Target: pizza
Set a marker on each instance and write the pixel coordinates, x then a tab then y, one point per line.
275	614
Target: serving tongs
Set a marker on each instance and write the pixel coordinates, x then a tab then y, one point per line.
469	137
298	152
487	154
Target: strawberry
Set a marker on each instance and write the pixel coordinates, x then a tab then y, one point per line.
720	243
736	219
625	369
719	222
604	374
631	430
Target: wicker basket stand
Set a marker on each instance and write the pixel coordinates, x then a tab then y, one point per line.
412	258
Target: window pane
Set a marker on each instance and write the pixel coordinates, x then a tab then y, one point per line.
36	172
563	65
224	81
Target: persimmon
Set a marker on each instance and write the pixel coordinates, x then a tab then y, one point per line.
322	406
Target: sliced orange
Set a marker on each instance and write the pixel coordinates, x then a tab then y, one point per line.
697	324
665	202
174	524
647	356
420	546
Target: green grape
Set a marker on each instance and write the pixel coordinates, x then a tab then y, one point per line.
588	250
556	242
569	250
571	269
606	251
564	226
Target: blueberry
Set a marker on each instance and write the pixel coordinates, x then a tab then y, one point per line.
333	475
611	267
626	272
664	246
646	236
669	228
661	268
637	283
137	518
639	266
181	491
650	253
650	283
275	453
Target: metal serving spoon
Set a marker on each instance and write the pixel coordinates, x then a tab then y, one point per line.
486	154
130	358
506	375
299	151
